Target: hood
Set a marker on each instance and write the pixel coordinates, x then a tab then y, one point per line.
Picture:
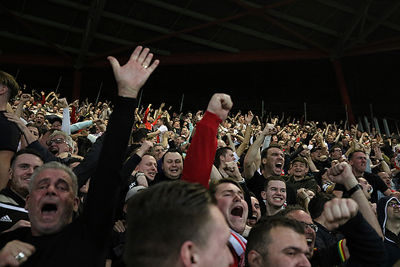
381	210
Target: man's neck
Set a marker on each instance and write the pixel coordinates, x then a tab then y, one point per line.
393	226
357	174
298	178
272	210
267	173
18	194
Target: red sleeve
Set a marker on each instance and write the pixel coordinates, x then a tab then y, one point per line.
145	115
43	101
154	123
201	152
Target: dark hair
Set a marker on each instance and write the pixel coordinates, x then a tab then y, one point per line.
289	209
316	205
355	151
26	151
220	152
171	150
273	178
259	237
333	148
155	214
9	81
264	153
299	159
139	134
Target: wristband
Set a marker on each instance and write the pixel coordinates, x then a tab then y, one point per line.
352	190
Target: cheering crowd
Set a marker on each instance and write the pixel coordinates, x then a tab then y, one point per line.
113	184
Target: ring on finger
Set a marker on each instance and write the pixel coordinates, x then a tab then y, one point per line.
20	256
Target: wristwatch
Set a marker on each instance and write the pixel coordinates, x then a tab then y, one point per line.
352	190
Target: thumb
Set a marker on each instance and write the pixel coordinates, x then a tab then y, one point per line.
114	64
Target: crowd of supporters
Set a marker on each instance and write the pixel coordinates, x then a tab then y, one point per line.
329	190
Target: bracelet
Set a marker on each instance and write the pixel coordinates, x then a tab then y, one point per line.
352	190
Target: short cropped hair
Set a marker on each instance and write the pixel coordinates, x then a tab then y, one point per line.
156	214
273	178
25	151
264	152
220	152
259	237
9	81
355	151
316	205
58	166
215	184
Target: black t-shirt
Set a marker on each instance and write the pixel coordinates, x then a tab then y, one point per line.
9	134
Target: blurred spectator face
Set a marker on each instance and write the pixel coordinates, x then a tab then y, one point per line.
393	210
56	125
299	169
39	119
287	249
304	218
21	172
57	145
336	153
275	194
172	165
158	152
386	178
231	203
366	187
256	212
34	131
148	165
358	162
51	202
274	161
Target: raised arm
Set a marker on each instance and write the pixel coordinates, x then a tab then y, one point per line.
247	135
107	179
342	174
253	156
201	153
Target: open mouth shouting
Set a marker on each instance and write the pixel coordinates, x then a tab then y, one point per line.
48	211
237	212
278	168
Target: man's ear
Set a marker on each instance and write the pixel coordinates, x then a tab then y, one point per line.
26	201
3	89
189	255
254	258
10	173
264	195
264	161
76	204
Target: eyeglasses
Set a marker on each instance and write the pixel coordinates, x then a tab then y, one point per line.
394	205
56	140
312	226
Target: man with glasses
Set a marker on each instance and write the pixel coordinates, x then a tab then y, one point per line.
60	143
388	210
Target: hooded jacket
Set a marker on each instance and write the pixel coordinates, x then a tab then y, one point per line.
392	241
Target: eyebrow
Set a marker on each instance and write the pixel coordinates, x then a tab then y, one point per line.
232	191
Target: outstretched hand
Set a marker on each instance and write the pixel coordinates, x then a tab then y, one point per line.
220	104
133	75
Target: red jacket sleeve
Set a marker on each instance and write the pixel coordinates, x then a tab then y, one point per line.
201	153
